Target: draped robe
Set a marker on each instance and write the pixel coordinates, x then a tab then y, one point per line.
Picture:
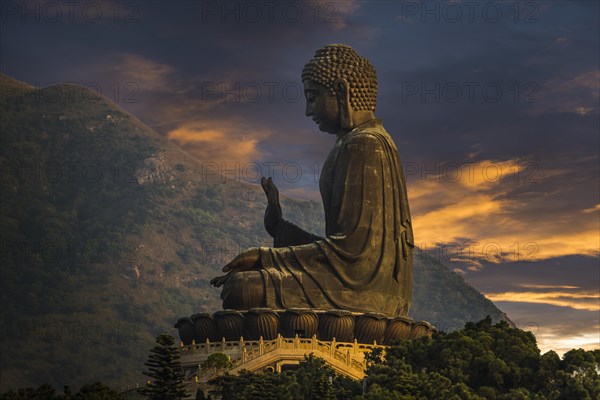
364	263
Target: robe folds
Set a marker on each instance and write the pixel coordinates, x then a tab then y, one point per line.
364	263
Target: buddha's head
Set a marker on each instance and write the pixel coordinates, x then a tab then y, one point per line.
340	88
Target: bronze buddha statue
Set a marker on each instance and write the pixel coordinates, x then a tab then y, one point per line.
364	262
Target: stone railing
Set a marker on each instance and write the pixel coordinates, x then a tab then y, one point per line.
346	358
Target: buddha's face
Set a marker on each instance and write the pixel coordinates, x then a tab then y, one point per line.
322	106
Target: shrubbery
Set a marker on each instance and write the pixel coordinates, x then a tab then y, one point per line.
481	361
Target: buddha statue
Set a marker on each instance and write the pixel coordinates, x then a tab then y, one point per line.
364	262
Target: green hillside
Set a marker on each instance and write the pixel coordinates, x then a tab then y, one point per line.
110	233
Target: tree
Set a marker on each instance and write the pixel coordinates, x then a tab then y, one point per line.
482	361
97	391
90	391
164	370
218	361
254	386
315	378
43	392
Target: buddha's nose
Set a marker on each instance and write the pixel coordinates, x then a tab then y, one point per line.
309	111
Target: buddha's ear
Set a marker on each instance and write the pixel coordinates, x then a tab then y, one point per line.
342	92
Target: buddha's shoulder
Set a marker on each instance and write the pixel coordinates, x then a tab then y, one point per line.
372	135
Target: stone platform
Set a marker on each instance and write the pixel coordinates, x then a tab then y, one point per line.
326	325
265	339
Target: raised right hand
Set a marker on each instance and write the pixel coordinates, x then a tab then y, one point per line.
273	214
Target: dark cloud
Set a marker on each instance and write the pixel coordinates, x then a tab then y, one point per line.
578	271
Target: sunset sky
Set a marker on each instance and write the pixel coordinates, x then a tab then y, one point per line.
494	107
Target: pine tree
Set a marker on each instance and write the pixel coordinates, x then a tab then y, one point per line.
314	377
164	370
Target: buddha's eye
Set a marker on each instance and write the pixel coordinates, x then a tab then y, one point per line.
311	96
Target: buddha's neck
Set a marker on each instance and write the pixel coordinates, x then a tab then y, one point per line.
359	118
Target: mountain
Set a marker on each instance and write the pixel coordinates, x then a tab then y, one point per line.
110	232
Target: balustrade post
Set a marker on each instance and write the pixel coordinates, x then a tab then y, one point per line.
241	345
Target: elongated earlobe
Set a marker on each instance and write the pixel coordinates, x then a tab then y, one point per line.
342	91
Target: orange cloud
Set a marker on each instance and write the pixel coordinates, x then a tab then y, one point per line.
473	205
551	340
535	286
583	300
219	141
